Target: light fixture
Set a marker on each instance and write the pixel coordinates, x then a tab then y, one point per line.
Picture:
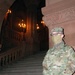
23	26
37	26
9	11
43	23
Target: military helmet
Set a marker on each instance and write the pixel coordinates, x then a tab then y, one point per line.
58	30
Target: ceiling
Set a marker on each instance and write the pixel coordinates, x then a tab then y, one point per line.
5	4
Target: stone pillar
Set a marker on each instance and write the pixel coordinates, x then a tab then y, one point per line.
31	34
61	13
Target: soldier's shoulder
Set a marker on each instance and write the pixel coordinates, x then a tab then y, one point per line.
67	47
50	50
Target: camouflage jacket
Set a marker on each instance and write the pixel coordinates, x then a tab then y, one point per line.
59	60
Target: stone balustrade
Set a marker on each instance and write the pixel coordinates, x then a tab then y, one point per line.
11	55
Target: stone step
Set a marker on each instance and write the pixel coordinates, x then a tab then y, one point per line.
21	73
26	66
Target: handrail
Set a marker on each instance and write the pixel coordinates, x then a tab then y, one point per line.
11	55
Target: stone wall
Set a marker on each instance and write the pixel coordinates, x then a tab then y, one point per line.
61	13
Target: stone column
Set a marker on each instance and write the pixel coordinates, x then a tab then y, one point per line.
31	34
61	13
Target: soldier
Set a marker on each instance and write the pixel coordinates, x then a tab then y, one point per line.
59	60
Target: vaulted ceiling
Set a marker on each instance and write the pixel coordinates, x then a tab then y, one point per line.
5	4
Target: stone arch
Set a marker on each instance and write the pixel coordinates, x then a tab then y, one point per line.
28	3
4	6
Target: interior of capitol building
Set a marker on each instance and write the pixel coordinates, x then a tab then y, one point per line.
25	27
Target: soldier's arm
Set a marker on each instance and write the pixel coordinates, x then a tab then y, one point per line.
72	59
46	61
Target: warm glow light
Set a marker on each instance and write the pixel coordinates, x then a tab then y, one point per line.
19	25
22	24
42	22
37	26
9	11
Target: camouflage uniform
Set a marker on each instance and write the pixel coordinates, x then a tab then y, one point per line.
59	60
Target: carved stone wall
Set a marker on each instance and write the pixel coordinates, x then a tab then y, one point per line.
61	13
48	2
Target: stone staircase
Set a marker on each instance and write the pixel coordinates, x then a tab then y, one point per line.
32	65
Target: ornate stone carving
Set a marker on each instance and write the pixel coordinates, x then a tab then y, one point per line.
60	16
48	2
